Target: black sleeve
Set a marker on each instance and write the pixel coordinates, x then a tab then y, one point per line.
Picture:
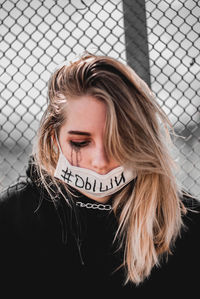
33	257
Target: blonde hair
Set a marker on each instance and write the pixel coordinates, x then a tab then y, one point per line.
149	215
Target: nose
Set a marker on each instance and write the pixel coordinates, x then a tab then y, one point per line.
100	161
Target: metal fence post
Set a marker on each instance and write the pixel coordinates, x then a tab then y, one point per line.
136	37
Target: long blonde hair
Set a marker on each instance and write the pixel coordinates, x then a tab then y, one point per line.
149	215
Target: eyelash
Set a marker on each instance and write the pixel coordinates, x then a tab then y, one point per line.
79	144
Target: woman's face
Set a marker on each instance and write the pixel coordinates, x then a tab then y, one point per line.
82	135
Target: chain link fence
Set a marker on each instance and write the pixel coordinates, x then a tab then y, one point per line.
160	39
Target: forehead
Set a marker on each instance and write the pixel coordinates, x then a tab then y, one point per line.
85	113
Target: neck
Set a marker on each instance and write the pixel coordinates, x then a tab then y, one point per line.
104	199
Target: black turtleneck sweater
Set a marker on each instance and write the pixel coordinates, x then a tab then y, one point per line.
53	250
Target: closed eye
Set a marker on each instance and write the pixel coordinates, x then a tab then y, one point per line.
79	144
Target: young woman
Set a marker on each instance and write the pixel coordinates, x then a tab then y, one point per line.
100	207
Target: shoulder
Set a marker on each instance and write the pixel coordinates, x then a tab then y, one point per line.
191	223
24	199
26	216
17	206
24	206
21	194
191	202
192	206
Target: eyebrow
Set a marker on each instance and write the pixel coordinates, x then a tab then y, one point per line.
79	133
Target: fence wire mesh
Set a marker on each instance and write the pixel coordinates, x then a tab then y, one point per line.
35	36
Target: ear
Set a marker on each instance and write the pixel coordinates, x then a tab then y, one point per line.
55	141
53	138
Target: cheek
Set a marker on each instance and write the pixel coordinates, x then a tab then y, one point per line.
66	150
81	157
76	157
